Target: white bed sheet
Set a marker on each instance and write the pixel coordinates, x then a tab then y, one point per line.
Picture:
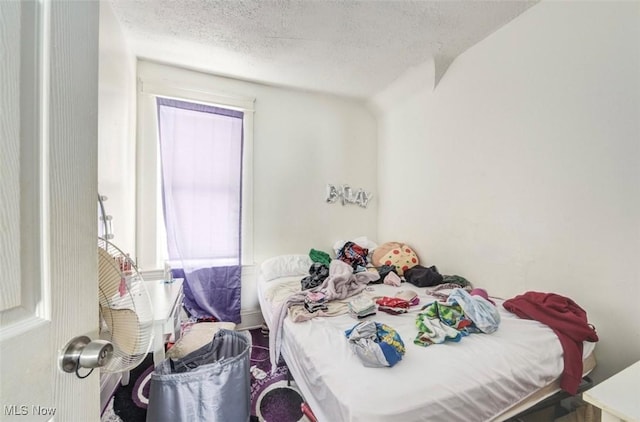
476	379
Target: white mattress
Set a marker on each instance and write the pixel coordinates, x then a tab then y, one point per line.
476	379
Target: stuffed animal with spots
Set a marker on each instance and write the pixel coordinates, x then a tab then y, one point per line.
397	254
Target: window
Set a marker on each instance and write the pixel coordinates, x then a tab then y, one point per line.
201	175
187	100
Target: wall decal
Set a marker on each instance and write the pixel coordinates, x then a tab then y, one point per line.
347	195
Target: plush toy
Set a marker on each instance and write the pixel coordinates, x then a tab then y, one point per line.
397	254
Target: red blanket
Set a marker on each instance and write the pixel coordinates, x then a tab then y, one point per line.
567	319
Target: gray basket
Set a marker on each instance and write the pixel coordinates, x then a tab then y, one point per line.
211	384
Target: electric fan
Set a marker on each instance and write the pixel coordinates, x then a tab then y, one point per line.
126	311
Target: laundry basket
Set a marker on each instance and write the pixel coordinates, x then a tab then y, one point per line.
210	384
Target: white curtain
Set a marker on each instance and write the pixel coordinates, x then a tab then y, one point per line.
201	165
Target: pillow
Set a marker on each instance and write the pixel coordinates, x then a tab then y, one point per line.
198	335
397	254
285	266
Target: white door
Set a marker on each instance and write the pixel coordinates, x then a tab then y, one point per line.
48	188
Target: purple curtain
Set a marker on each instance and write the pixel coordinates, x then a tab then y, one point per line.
201	168
212	291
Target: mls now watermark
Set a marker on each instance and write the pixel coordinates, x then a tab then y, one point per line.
24	410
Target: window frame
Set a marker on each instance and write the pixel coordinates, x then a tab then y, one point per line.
150	237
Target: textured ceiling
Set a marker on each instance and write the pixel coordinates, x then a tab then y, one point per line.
352	48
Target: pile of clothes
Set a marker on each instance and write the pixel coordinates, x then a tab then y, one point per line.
362	307
398	304
350	253
315	301
463	313
342	282
354	255
376	344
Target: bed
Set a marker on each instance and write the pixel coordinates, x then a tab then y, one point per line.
484	377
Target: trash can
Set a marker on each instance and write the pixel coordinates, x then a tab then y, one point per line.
210	384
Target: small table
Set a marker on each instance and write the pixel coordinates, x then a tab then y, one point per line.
617	396
166	297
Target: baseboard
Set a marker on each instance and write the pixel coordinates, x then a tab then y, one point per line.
250	319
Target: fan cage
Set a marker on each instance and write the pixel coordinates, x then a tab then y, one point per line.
126	310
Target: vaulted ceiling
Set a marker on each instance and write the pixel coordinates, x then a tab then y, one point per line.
351	48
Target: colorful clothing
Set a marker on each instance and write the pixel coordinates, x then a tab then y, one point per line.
393	302
434	331
484	315
353	254
375	344
341	284
440	322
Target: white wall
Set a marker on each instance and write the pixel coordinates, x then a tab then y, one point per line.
520	170
301	142
116	128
